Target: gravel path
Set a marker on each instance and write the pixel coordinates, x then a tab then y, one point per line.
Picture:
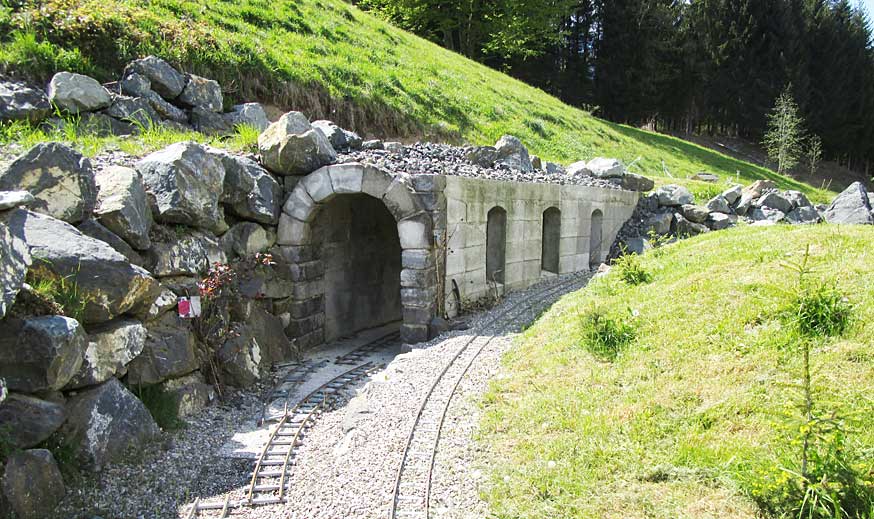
349	458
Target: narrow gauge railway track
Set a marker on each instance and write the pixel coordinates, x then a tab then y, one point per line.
270	477
358	355
296	375
412	489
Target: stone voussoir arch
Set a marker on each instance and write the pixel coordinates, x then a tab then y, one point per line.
295	235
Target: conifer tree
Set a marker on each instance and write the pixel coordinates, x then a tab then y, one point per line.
785	134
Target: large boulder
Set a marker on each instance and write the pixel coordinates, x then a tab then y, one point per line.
111	347
60	178
134	85
340	139
189	254
105	423
32	483
758	188
682	227
579	170
634	182
170	351
241	358
267	329
163	79
695	213
251	114
513	154
673	196
720	221
185	182
774	200
29	421
93	229
209	122
606	168
852	206
246	239
803	215
166	110
797	198
733	194
719	204
765	215
40	353
203	93
14	262
109	285
76	93
19	102
482	156
135	110
122	205
250	192
658	223
291	146
190	393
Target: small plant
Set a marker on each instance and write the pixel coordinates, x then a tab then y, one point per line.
245	137
817	309
630	269
606	337
61	290
162	405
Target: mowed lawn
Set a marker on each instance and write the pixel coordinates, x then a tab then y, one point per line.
699	415
331	60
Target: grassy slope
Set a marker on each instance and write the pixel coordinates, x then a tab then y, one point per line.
687	421
328	59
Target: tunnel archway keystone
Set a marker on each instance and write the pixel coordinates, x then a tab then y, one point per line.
414	229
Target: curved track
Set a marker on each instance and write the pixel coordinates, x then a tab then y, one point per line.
411	496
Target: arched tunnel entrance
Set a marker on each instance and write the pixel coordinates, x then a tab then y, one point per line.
357	239
362	254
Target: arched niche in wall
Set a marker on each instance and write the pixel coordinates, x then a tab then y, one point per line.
496	245
551	240
596	238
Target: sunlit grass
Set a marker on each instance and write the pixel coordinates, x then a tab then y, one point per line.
689	418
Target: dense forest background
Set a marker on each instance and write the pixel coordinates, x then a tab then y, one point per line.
682	66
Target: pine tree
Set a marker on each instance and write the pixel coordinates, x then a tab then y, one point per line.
785	134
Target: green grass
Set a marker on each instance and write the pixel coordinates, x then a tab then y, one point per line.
697	415
331	60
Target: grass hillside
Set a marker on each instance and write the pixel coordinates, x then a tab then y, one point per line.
331	60
681	396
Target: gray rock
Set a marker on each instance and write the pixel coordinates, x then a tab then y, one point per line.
706	177
482	156
732	195
683	227
291	146
250	192
337	136
93	229
758	188
40	353
719	221
209	122
267	330
135	85
606	168
536	162
241	359
695	213
104	424
797	198
635	245
634	182
170	351
190	393
164	303
579	169
108	283
136	110
374	144
76	93
32	483
13	199
19	102
551	168
60	178
744	204
188	254
111	347
513	154
718	204
673	196
163	79
246	239
769	215
803	215
852	206
202	93
251	114
394	147
774	200
659	223
122	205
186	184
29	421
165	109
14	261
